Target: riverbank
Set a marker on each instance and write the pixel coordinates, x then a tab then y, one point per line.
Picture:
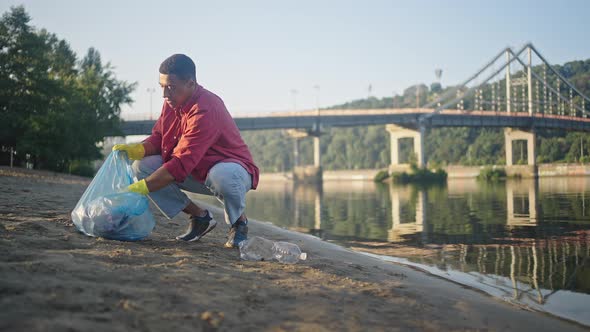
54	278
453	171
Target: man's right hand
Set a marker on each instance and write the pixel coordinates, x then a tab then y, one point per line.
134	151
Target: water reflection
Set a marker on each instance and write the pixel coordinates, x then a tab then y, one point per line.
401	226
522	203
525	241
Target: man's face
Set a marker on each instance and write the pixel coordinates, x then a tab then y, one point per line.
175	90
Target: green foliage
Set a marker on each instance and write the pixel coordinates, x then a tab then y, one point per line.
561	146
420	176
487	147
435	87
82	168
492	174
54	108
381	176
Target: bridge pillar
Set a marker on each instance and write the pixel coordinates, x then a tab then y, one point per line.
317	153
417	135
297	135
306	173
529	170
511	135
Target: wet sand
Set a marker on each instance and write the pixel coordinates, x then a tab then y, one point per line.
53	278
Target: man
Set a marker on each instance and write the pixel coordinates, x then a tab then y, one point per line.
195	145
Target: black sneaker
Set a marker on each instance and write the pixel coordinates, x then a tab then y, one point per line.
198	227
237	233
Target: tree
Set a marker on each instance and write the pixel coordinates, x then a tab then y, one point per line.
54	108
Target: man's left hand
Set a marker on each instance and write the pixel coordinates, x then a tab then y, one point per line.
139	187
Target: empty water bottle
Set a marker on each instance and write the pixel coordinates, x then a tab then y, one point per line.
289	253
260	249
256	249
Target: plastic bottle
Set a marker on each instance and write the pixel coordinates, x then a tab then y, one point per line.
289	253
260	249
256	249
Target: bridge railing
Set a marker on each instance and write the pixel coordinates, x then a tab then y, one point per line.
511	84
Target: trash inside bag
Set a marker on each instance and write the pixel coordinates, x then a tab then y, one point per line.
107	210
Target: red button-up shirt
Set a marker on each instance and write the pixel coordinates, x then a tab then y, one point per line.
199	134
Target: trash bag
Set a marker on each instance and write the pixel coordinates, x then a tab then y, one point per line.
107	210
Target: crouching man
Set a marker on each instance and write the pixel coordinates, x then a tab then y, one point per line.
195	145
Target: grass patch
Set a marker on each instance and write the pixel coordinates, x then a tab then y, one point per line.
491	174
381	176
81	168
420	176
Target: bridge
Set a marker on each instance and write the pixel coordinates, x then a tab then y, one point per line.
403	116
516	90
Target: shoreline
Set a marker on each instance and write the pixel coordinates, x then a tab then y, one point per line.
56	278
454	172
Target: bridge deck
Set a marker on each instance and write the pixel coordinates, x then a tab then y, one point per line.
404	117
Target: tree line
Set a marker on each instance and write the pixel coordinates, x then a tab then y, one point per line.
55	107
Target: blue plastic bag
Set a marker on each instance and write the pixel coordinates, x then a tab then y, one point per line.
107	210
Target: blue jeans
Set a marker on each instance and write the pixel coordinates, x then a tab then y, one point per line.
229	182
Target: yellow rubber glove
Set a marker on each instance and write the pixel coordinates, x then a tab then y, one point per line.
139	187
134	151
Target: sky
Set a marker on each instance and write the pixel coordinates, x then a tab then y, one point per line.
254	54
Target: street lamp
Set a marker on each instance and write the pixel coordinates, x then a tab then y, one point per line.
151	91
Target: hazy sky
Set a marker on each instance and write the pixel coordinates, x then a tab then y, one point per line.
253	53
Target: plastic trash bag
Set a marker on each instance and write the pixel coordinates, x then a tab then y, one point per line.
107	210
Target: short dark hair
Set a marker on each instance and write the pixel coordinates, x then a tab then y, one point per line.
179	65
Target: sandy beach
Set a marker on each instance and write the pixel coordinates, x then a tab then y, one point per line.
53	278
